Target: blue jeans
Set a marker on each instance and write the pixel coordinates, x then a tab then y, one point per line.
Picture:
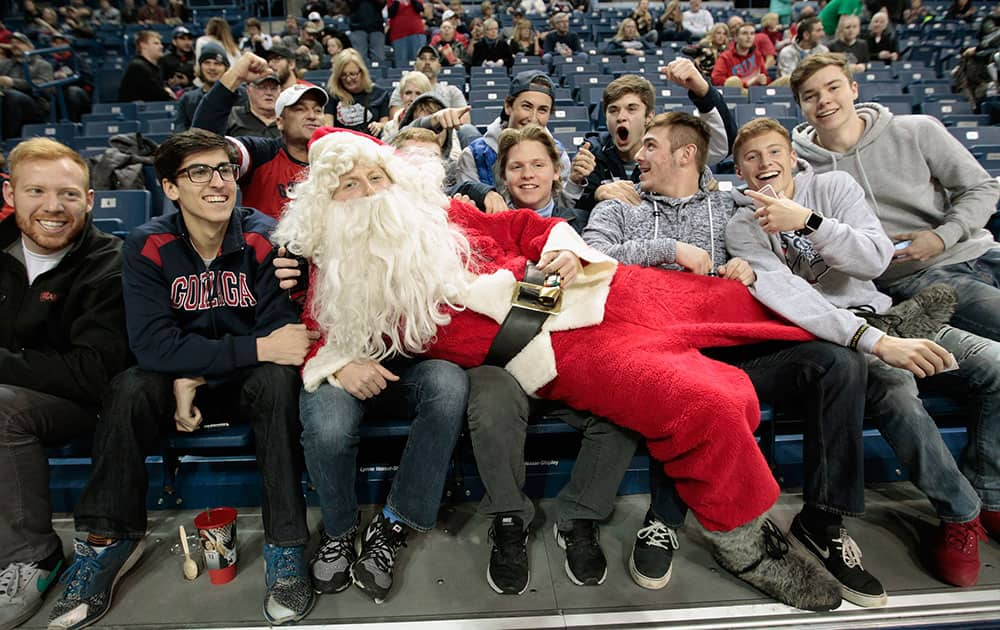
404	49
433	394
977	282
825	384
909	429
370	45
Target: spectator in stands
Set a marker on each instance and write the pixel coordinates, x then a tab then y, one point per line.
66	64
212	63
530	100
834	9
629	104
217	31
177	12
486	10
935	200
58	354
411	85
129	12
492	50
30	11
291	26
687	235
814	251
697	19
314	21
459	17
808	41
151	13
671	24
356	102
450	45
254	38
368	29
961	10
475	31
742	65
107	14
428	63
734	23
560	42
406	29
849	43
269	167
282	62
47	24
525	39
307	48
706	52
533	7
334	44
142	80
195	364
917	13
644	20
257	117
181	53
880	39
781	8
21	103
972	77
627	41
566	365
344	382
771	37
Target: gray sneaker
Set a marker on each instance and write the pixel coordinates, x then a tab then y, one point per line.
331	566
22	587
372	572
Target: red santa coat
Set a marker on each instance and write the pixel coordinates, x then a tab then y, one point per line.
625	346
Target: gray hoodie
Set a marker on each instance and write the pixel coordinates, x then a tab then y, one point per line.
813	280
647	234
917	177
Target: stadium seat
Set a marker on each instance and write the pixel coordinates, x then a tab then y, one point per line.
759	92
120	211
940	109
970	136
61	132
128	111
966	120
745	112
110	128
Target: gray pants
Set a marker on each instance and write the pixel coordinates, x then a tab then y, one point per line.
498	425
30	421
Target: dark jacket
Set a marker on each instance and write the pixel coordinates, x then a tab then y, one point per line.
498	51
65	334
552	38
142	82
243	122
366	15
186	320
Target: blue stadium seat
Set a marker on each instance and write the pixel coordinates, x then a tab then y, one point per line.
966	120
762	93
940	109
61	132
745	112
869	91
970	136
120	211
110	128
129	111
157	125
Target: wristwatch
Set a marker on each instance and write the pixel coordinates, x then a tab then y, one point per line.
812	224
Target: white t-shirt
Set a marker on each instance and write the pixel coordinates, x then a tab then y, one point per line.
37	264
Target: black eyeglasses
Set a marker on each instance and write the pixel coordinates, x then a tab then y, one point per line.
201	173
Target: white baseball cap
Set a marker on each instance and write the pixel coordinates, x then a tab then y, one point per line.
291	96
447	15
315	17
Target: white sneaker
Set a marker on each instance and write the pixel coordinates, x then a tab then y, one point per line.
22	587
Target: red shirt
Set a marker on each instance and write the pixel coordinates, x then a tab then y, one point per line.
267	173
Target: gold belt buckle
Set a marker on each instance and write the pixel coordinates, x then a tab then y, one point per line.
536	297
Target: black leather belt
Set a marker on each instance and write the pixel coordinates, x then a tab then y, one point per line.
534	299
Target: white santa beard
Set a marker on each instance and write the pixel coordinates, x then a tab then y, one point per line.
391	268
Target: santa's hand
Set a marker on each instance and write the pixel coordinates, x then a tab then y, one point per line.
738	269
286	270
187	418
463	198
495	202
287	345
563	262
923	245
692	258
364	378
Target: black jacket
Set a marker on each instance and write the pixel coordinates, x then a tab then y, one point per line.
65	334
142	82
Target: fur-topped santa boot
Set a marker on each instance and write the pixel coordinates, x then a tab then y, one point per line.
919	317
758	553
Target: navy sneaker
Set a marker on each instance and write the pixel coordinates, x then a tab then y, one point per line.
289	595
652	553
91	581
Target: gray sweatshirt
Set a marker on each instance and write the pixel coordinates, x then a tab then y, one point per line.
917	177
813	280
647	234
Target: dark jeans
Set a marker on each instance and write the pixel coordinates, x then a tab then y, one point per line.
18	110
498	425
30	421
433	394
825	384
140	410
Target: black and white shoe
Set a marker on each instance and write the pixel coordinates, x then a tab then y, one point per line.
652	553
508	572
331	566
372	571
837	551
585	561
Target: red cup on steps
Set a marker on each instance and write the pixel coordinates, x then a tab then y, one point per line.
217	532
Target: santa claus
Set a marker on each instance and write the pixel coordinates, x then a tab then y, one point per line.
398	269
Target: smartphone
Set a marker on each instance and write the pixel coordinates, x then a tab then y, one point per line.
767	191
901	245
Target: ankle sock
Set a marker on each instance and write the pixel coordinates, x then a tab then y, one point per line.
99	542
819	521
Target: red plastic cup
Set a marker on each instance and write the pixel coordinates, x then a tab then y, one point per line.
217	532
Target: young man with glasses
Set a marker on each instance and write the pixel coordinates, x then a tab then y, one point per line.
215	338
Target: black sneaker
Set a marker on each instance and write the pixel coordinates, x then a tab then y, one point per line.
652	553
372	571
585	562
841	556
508	572
331	566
